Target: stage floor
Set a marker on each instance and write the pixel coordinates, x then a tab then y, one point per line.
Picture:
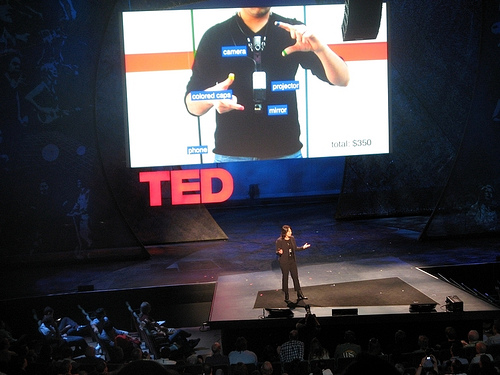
244	288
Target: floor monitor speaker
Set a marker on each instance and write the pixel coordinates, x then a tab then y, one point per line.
423	307
279	313
342	312
454	304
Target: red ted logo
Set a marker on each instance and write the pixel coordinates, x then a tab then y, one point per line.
189	186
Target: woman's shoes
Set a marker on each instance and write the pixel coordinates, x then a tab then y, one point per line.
300	296
287	299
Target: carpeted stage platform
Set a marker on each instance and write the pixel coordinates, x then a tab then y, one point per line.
376	287
370	296
379	292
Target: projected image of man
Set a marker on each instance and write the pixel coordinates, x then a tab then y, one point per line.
250	60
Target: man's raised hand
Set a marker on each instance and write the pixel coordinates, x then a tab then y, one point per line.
227	105
305	40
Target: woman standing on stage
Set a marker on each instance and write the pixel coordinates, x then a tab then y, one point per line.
285	249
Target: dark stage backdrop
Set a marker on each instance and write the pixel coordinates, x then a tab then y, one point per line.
445	122
469	202
66	190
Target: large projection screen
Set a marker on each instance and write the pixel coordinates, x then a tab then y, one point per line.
159	50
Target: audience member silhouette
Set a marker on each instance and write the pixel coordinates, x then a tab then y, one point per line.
428	365
308	327
241	354
291	350
239	369
457	353
349	348
269	353
422	344
266	368
101	369
472	338
400	346
456	367
451	337
100	320
136	354
43	362
107	338
50	330
470	344
481	349
89	361
64	367
292	353
217	358
494	339
65	325
318	358
486	366
5	355
114	340
374	347
163	335
317	351
5	333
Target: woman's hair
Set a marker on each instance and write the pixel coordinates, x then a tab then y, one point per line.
284	230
